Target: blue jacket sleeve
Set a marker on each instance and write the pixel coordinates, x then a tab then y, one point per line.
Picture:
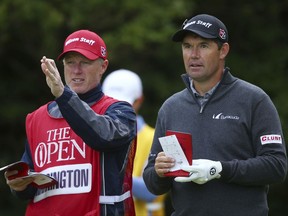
107	132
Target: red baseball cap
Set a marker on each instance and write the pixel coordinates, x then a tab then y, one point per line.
85	42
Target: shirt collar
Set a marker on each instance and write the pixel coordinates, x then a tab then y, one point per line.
207	94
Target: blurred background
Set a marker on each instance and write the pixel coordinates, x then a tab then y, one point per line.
138	37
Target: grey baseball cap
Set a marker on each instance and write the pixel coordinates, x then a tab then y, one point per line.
204	25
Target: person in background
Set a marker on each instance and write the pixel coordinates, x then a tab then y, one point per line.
127	86
238	147
84	139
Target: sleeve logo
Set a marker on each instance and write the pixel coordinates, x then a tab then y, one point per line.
271	138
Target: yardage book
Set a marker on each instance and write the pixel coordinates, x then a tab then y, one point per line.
179	146
40	180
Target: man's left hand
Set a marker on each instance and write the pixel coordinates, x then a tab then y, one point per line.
201	171
53	77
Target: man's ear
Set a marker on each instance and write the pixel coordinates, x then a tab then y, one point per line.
104	66
224	50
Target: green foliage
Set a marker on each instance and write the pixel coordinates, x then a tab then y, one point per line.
138	37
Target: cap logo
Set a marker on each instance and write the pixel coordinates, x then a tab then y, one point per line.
82	39
103	51
198	22
71	41
222	34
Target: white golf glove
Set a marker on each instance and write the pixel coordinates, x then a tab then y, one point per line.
201	171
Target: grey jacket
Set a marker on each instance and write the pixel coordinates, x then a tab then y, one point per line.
230	128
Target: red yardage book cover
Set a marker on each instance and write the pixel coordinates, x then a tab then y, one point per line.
40	180
185	140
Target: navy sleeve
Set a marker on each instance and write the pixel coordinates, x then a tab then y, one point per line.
107	132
